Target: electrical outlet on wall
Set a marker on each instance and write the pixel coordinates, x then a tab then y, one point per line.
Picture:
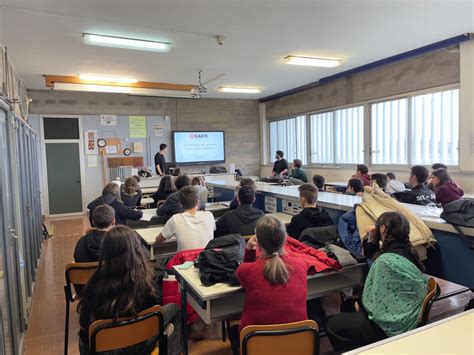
291	207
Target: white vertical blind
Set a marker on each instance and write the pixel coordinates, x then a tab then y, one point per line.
435	128
322	141
349	135
389	123
289	135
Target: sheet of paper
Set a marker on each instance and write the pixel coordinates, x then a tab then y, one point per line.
270	204
111	149
137	126
108	120
146	217
92	161
158	129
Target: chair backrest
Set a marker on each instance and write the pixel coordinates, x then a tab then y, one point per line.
78	274
433	293
109	334
291	338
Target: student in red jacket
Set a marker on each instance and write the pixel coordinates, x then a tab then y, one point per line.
362	172
275	283
445	189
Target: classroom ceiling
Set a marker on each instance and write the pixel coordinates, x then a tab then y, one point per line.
45	37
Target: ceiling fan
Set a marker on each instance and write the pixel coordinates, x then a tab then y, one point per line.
200	89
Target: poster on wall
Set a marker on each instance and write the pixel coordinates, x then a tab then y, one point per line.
137	126
108	120
90	137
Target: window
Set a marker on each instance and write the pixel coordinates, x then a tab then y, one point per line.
435	128
389	122
322	138
349	135
289	136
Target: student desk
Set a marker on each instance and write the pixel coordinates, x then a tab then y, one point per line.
335	184
165	249
221	301
452	260
284	218
453	335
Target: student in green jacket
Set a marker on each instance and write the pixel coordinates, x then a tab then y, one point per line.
298	175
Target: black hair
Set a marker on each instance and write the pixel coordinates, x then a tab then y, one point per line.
391	176
167	184
188	197
319	181
181	181
380	179
297	163
103	216
439	166
163	146
442	175
246	195
356	184
364	169
280	153
420	172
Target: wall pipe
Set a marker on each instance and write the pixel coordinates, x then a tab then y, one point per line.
389	60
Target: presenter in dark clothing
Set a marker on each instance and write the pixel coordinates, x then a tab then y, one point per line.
160	163
280	167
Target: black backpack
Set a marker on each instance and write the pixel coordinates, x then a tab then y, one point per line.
220	259
460	213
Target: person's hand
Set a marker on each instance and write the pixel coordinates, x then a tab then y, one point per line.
370	230
252	243
357	306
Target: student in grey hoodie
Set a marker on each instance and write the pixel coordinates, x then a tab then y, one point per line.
243	219
172	203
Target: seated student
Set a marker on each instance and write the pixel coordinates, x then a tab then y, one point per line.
244	182
123	286
131	194
242	220
165	188
393	292
172	204
111	196
275	283
280	167
319	181
311	215
298	175
193	229
355	187
419	194
200	185
436	166
380	179
88	247
393	185
446	190
362	172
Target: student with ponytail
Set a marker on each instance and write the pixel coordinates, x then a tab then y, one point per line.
393	292
274	283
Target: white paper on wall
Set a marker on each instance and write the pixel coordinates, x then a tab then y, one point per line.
270	204
92	161
108	120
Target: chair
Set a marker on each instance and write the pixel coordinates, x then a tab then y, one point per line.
433	293
110	335
77	274
291	338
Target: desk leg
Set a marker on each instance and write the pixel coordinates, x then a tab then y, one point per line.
184	320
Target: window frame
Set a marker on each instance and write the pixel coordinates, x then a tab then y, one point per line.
367	129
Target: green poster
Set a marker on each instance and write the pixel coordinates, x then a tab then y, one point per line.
137	126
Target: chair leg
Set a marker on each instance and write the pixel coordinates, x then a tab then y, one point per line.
224	332
66	329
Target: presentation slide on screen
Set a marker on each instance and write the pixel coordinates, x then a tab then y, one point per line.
199	146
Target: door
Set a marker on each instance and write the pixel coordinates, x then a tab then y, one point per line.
63	164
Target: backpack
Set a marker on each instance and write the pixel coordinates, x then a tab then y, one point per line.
217	169
460	213
219	260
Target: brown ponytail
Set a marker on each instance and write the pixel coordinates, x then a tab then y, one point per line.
271	236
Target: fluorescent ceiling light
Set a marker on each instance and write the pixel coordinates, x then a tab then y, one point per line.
312	62
239	90
128	43
107	79
121	90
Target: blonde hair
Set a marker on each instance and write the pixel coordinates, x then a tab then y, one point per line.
271	236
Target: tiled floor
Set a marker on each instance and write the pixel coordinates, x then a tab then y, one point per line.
45	335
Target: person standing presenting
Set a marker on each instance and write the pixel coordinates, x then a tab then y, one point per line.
160	162
280	167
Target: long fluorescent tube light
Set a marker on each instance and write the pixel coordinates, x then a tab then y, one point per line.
239	90
107	79
128	43
312	62
121	90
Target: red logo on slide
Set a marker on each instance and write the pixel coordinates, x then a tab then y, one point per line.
191	135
